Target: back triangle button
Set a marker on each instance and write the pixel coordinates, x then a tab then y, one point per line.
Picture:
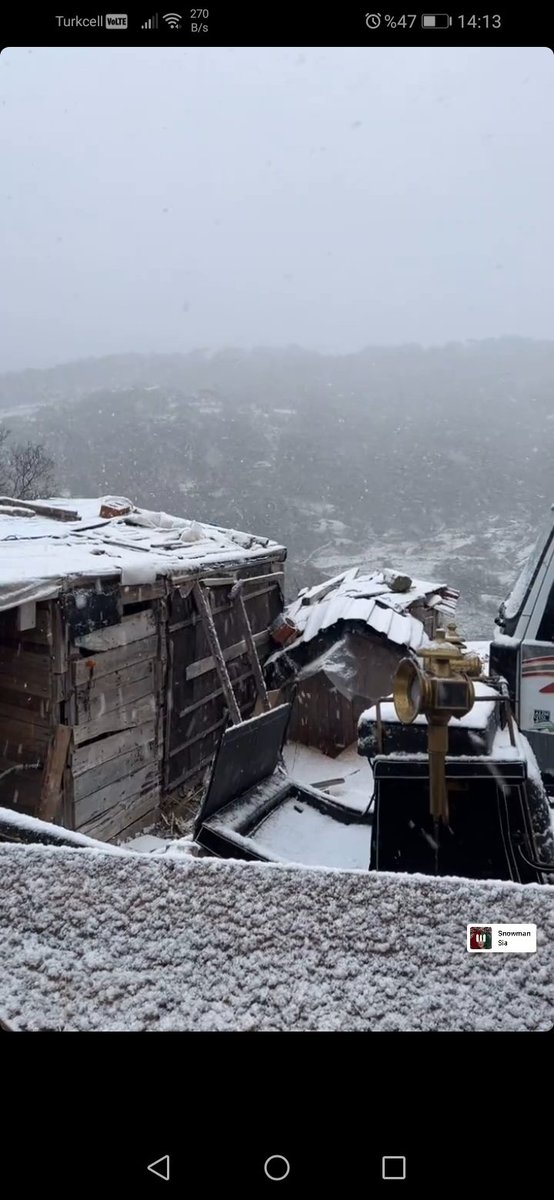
160	1167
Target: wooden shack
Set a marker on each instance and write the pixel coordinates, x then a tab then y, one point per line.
128	640
341	642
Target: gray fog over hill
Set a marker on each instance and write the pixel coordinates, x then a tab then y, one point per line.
436	460
163	198
160	198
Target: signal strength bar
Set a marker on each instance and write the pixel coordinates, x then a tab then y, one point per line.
151	23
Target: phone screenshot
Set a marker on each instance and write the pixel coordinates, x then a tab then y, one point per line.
276	584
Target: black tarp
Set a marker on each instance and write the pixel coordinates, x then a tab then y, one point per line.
247	754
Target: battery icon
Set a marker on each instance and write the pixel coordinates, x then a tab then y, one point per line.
436	21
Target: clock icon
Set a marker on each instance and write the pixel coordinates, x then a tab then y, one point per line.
373	20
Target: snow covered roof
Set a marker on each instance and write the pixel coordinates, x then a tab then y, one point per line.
478	716
136	942
38	553
373	599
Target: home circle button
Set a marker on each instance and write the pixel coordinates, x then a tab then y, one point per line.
276	1167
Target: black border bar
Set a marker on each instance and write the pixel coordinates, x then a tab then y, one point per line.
289	23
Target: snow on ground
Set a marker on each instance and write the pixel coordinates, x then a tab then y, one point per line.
482	650
306	764
141	942
152	844
296	832
147	844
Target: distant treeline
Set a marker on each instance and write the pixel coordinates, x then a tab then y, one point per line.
309	448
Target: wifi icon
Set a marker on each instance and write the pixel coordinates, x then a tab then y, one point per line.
173	20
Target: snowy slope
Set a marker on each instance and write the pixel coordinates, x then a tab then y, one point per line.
102	942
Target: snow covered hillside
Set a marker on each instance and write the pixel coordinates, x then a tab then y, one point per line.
91	941
393	456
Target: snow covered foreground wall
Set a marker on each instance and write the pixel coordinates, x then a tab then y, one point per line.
91	941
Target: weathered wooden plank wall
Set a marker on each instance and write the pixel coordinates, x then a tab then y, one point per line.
323	718
26	704
321	715
51	796
32	694
116	763
197	712
134	694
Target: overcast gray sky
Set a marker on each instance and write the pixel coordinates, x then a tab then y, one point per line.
164	199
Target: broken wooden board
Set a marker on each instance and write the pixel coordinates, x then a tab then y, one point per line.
106	662
111	637
115	691
114	769
9	510
30	507
315	594
125	818
148	818
51	793
116	795
125	716
88	757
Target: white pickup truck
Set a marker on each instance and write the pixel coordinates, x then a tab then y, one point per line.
523	650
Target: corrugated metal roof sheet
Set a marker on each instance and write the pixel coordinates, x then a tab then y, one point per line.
369	598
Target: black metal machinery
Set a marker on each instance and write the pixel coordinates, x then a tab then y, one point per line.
456	787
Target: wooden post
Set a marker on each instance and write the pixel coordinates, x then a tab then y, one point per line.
379	727
60	640
52	780
252	652
215	647
27	616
